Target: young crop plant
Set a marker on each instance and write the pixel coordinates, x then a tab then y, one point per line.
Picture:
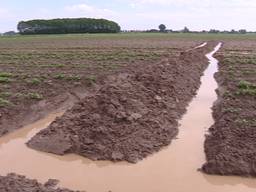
5	80
73	78
34	81
5	77
4	102
246	88
35	96
60	76
5	74
5	94
91	80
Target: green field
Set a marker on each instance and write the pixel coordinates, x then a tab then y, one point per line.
195	36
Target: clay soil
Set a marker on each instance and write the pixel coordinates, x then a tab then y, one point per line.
230	146
130	115
39	74
17	183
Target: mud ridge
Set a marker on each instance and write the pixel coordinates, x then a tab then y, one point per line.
230	146
39	110
131	115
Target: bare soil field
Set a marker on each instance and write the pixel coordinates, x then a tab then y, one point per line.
230	146
123	97
39	74
130	115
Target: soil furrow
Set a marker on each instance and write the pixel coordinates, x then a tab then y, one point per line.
230	146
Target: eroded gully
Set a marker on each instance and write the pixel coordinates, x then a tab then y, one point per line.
172	169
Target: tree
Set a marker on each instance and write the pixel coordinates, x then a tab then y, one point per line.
9	33
242	31
214	31
233	31
162	28
185	30
63	26
152	31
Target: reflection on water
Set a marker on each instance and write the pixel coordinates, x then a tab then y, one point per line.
172	169
202	45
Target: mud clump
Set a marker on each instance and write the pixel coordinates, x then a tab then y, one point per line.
131	115
18	183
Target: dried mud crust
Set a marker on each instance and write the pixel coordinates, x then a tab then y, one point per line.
131	115
230	146
18	183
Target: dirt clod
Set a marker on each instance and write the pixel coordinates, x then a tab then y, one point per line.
18	183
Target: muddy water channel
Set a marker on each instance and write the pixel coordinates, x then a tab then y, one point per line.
172	169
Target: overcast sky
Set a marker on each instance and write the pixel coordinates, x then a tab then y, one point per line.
137	14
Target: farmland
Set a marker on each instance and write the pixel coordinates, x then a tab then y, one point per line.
122	97
230	147
37	68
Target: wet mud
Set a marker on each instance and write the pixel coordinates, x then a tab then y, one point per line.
165	171
131	115
17	183
45	74
230	146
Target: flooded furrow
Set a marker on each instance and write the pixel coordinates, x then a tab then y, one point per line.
202	45
172	169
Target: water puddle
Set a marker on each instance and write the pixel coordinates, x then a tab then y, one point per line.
202	45
172	169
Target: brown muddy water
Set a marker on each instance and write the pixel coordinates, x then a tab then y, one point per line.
172	169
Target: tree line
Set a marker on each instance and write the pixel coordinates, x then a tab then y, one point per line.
64	26
162	28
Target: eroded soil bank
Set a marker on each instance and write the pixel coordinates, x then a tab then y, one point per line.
131	115
230	146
